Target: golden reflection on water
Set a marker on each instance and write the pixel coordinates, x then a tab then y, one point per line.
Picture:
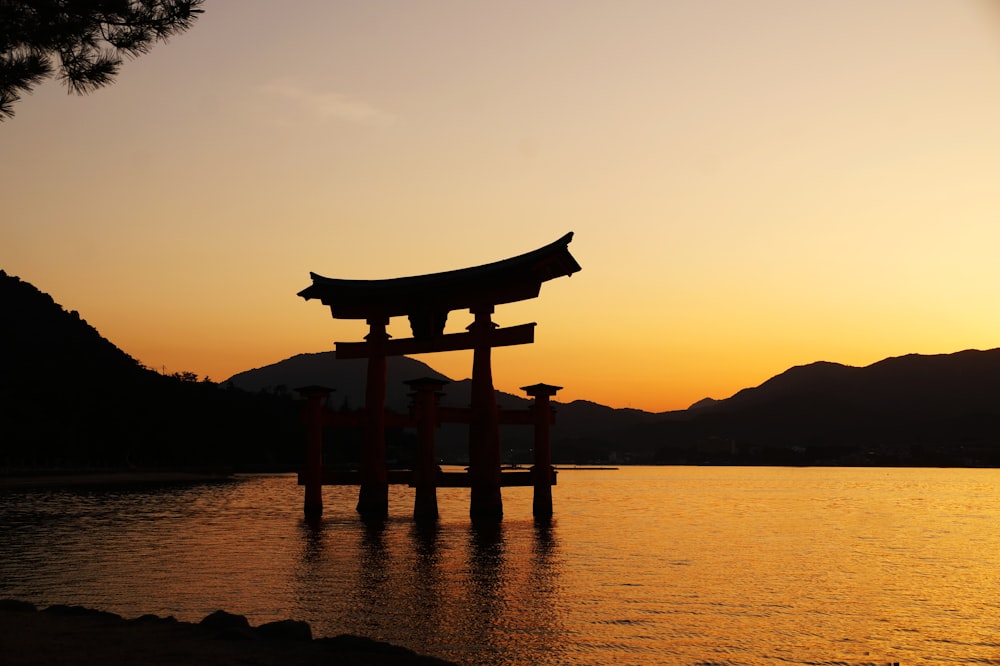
454	586
639	566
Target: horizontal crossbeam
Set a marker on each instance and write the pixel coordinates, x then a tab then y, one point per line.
523	334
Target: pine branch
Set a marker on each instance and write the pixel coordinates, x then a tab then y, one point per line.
90	38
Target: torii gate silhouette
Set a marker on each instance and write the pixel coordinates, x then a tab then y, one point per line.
426	300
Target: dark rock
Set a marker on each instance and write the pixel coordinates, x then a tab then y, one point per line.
228	626
149	618
15	605
285	630
235	634
61	609
220	619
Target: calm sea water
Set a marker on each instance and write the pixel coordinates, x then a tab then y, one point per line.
665	565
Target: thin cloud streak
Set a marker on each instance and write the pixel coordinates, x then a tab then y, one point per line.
328	106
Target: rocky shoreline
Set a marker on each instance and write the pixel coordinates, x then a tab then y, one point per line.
74	635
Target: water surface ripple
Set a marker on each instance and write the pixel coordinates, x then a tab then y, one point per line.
665	565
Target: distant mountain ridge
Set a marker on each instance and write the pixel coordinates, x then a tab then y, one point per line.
941	409
902	407
348	378
68	396
962	380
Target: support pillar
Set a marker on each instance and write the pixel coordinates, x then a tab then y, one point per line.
486	503
425	473
542	473
313	477
373	498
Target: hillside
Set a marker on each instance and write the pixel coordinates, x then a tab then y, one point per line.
941	409
71	398
958	383
583	430
346	377
40	341
915	409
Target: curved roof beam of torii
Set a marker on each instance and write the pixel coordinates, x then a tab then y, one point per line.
432	296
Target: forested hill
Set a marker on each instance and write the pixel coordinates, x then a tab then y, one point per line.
941	409
40	342
71	398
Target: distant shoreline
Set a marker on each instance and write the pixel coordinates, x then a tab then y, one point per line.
28	478
584	468
75	477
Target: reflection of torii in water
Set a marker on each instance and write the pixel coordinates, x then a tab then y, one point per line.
426	300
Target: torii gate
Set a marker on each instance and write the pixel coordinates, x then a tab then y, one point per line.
427	300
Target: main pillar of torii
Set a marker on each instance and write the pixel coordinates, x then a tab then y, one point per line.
426	300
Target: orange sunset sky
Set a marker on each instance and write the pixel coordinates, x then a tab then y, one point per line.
752	184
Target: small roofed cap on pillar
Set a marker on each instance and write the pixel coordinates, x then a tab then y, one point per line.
541	389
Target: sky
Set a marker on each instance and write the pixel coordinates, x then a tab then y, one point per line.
752	185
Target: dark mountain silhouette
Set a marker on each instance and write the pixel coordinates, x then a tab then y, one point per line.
914	409
942	409
42	341
576	425
942	384
71	398
347	377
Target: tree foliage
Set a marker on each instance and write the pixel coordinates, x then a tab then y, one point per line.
71	398
83	42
